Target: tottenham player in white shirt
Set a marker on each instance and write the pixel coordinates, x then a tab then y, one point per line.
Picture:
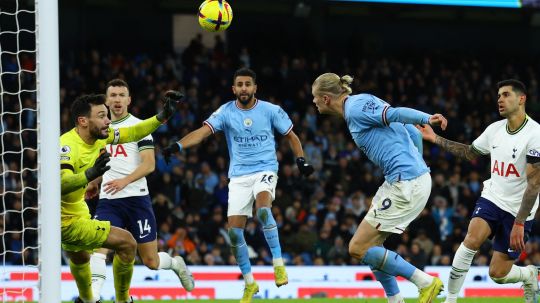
509	199
124	198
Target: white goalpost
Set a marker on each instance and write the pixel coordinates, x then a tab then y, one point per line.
48	104
29	160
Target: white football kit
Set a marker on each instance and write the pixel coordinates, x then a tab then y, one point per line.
509	152
124	160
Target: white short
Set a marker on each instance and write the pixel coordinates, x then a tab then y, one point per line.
396	205
244	189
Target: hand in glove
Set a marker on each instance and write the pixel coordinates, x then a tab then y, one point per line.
304	168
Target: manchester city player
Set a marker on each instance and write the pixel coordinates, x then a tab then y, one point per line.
249	125
379	131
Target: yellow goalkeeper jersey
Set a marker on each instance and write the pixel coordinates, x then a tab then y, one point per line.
76	157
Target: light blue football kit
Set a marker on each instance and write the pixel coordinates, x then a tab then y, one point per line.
253	166
389	139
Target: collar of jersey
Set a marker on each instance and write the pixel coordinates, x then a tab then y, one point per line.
121	119
256	102
519	128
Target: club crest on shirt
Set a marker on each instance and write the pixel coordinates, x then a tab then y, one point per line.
65	149
248	122
370	106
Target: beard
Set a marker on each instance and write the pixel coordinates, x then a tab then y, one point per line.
245	101
97	133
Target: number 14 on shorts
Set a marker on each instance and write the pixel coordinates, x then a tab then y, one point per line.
144	228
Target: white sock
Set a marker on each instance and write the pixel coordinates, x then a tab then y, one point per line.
165	261
421	279
395	299
98	267
460	266
278	262
516	274
248	278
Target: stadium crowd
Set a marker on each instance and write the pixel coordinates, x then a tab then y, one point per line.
317	216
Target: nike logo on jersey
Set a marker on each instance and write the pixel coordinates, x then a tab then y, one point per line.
81	166
143	236
511	250
494	147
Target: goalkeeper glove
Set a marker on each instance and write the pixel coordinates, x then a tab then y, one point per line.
304	168
171	99
100	166
169	150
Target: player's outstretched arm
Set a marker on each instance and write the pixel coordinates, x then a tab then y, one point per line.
193	138
457	149
148	126
527	203
296	146
412	116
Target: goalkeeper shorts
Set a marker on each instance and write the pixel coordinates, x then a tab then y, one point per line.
85	234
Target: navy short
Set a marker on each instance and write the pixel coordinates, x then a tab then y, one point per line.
132	213
501	223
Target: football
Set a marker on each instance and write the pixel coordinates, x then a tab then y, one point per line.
215	15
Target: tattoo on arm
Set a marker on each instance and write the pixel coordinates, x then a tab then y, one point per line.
456	148
531	192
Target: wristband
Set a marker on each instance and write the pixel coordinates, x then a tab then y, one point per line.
519	224
180	147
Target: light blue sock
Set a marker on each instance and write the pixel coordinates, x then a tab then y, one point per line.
239	249
379	258
389	283
270	231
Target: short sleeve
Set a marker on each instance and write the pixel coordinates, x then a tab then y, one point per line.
281	121
146	143
216	120
533	148
481	144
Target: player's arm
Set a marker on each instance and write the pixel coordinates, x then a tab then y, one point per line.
296	146
527	203
457	149
411	116
147	166
193	138
148	126
71	181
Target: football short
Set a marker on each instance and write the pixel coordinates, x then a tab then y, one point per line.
396	205
501	223
244	189
85	234
135	214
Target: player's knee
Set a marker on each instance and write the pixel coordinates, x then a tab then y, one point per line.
127	248
472	242
237	236
151	262
357	249
497	275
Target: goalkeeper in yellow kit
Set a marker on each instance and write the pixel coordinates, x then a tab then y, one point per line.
83	159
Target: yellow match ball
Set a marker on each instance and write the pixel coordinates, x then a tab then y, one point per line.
215	15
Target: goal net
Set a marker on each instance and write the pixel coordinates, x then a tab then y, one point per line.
29	130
